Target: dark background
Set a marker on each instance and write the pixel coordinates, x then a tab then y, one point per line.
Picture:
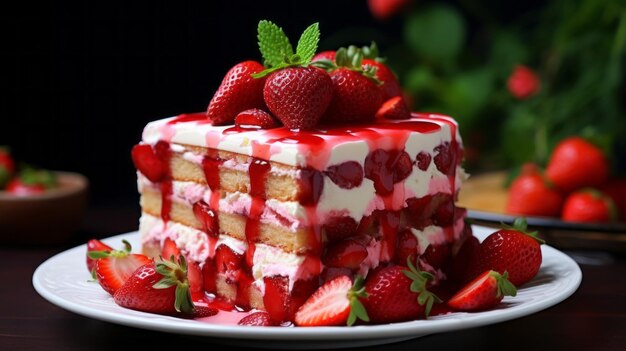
79	80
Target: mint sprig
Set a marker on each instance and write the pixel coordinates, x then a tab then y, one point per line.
273	43
277	51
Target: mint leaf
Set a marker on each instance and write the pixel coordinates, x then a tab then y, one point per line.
273	43
307	45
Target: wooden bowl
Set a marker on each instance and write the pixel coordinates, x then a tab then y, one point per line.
47	218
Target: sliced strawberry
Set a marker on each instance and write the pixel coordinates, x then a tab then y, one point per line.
206	215
257	319
402	167
204	311
170	250
255	119
148	163
194	275
394	108
348	253
484	292
276	297
209	276
226	260
95	245
160	287
444	159
113	269
346	175
334	303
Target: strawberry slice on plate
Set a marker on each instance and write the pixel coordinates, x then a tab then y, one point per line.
114	268
334	303
95	245
257	319
484	292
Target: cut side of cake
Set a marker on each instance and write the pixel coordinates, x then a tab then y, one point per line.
265	216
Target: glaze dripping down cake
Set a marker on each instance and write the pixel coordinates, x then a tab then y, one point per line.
265	216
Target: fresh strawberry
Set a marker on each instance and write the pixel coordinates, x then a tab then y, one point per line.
383	10
394	108
18	187
397	294
239	91
512	250
157	287
95	245
484	292
348	253
389	82
531	194
255	118
257	319
114	268
334	303
204	311
576	163
169	249
226	260
523	82
355	98
588	205
295	92
298	96
324	55
148	163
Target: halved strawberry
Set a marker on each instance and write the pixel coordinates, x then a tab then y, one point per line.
257	319
170	249
348	253
114	268
334	303
484	292
148	163
95	245
255	118
394	108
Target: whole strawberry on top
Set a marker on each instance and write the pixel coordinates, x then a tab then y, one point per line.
589	205
512	250
576	163
356	95
294	91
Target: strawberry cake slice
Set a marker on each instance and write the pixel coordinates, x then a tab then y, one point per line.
301	171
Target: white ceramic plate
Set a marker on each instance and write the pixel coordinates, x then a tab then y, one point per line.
64	281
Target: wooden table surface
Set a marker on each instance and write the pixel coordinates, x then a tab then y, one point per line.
594	318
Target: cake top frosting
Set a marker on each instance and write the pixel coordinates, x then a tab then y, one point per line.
317	148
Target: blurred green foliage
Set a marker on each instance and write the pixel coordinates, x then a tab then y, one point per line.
456	59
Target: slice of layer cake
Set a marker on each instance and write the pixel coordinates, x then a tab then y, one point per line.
264	216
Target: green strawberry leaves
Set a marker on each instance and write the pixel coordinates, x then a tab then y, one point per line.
420	281
277	51
357	310
175	273
521	226
505	287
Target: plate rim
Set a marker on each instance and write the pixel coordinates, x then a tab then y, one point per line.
416	328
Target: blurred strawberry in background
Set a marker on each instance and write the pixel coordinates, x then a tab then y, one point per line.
523	82
383	10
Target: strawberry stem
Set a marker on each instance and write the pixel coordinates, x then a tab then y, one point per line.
520	225
175	274
420	281
357	310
